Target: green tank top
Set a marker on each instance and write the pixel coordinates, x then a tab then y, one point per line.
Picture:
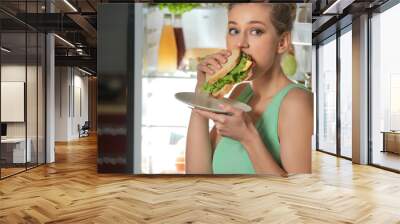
230	157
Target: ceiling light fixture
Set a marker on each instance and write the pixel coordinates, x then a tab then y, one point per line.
79	51
5	50
65	41
337	7
86	72
326	11
70	5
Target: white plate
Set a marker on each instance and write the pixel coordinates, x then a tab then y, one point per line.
204	102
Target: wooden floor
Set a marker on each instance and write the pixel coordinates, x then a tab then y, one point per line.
70	191
10	171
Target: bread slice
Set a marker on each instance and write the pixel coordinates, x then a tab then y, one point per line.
227	67
227	88
222	92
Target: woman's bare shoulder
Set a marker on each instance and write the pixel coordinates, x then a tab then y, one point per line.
298	100
296	113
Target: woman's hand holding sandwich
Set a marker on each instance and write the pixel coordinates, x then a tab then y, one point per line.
218	73
210	65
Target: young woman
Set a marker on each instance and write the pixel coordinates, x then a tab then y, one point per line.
275	137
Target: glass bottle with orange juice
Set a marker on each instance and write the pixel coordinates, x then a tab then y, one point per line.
167	52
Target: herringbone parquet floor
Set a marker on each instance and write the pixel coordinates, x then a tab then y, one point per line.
71	191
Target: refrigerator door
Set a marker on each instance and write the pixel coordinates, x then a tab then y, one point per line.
164	124
163	119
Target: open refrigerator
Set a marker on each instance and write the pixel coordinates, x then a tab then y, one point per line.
164	120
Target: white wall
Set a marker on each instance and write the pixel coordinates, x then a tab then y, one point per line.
80	85
14	73
70	83
62	81
33	125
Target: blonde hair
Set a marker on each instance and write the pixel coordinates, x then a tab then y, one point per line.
282	15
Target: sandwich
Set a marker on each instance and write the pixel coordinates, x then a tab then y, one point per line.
234	71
